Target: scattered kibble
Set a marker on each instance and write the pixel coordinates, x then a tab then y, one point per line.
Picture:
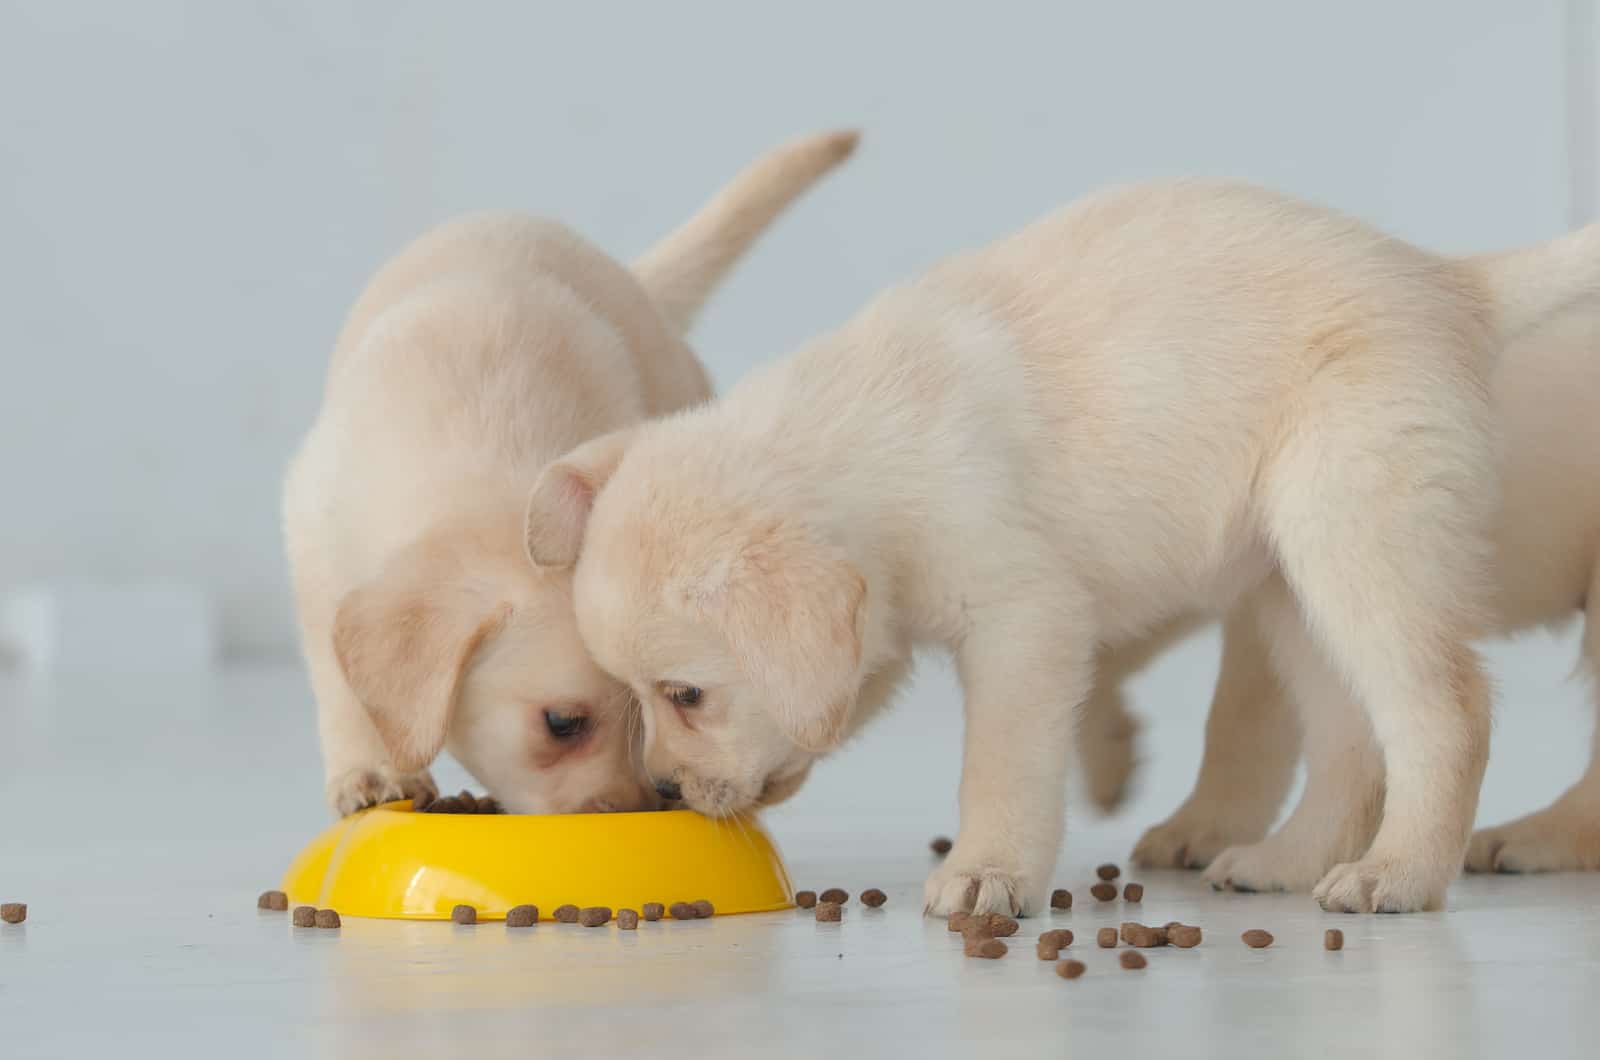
957	921
1132	959
1184	936
1046	951
837	895
703	909
276	901
566	914
1104	892
1060	898
469	801
305	916
464	914
829	912
652	911
941	845
14	912
1002	926
1333	939
466	802
681	911
627	920
1133	892
595	915
1106	938
1058	937
805	899
327	918
988	949
1070	969
1108	871
1257	939
522	916
873	898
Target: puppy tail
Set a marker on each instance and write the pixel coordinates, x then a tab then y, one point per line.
681	271
1530	286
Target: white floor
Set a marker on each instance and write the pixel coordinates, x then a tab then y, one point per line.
141	819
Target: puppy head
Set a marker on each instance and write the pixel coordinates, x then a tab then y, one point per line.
738	627
484	654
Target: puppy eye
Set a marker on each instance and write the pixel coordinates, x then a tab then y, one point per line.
565	726
683	695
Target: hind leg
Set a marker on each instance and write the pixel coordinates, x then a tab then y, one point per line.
1566	834
1378	504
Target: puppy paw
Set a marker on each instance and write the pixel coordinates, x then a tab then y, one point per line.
356	789
1558	839
1270	865
1379	885
1191	839
966	887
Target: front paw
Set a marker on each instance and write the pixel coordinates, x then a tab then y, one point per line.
358	788
1558	839
1191	839
979	885
1271	865
1378	885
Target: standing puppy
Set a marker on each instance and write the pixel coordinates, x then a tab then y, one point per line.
1166	398
486	349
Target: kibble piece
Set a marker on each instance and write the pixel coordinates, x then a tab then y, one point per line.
873	898
420	803
1047	951
1105	892
627	920
469	801
941	845
1133	892
1108	871
1257	939
327	918
829	912
805	899
1070	969
653	911
14	912
1060	937
681	911
464	914
1333	939
1132	959
837	895
443	804
489	804
957	921
1060	898
1106	938
595	915
522	916
703	909
277	901
1184	936
1128	930
988	949
1002	926
1169	925
566	914
305	916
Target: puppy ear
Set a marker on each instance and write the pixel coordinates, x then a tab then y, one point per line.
563	496
796	620
404	646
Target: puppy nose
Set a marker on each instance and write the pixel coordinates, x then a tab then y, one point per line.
669	790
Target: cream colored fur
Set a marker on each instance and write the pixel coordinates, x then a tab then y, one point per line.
1168	399
484	350
1546	390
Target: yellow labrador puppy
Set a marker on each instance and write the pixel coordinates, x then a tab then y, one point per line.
1546	390
483	351
1166	399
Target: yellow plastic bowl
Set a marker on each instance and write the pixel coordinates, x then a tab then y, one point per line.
390	862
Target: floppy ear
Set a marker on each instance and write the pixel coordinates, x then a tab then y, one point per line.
795	617
563	496
404	646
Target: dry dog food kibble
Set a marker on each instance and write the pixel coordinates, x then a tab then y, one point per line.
1333	939
1184	936
1132	959
1058	937
829	912
327	918
566	914
595	915
627	920
1060	899
522	916
1257	939
1070	969
653	911
1133	892
703	909
941	845
14	912
1105	892
464	914
681	911
305	916
277	901
988	949
1002	926
469	801
957	921
1047	951
873	898
835	894
1108	871
1106	938
805	899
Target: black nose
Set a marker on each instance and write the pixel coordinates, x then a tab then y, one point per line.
669	790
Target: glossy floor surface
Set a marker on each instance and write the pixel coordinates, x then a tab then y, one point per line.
141	819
